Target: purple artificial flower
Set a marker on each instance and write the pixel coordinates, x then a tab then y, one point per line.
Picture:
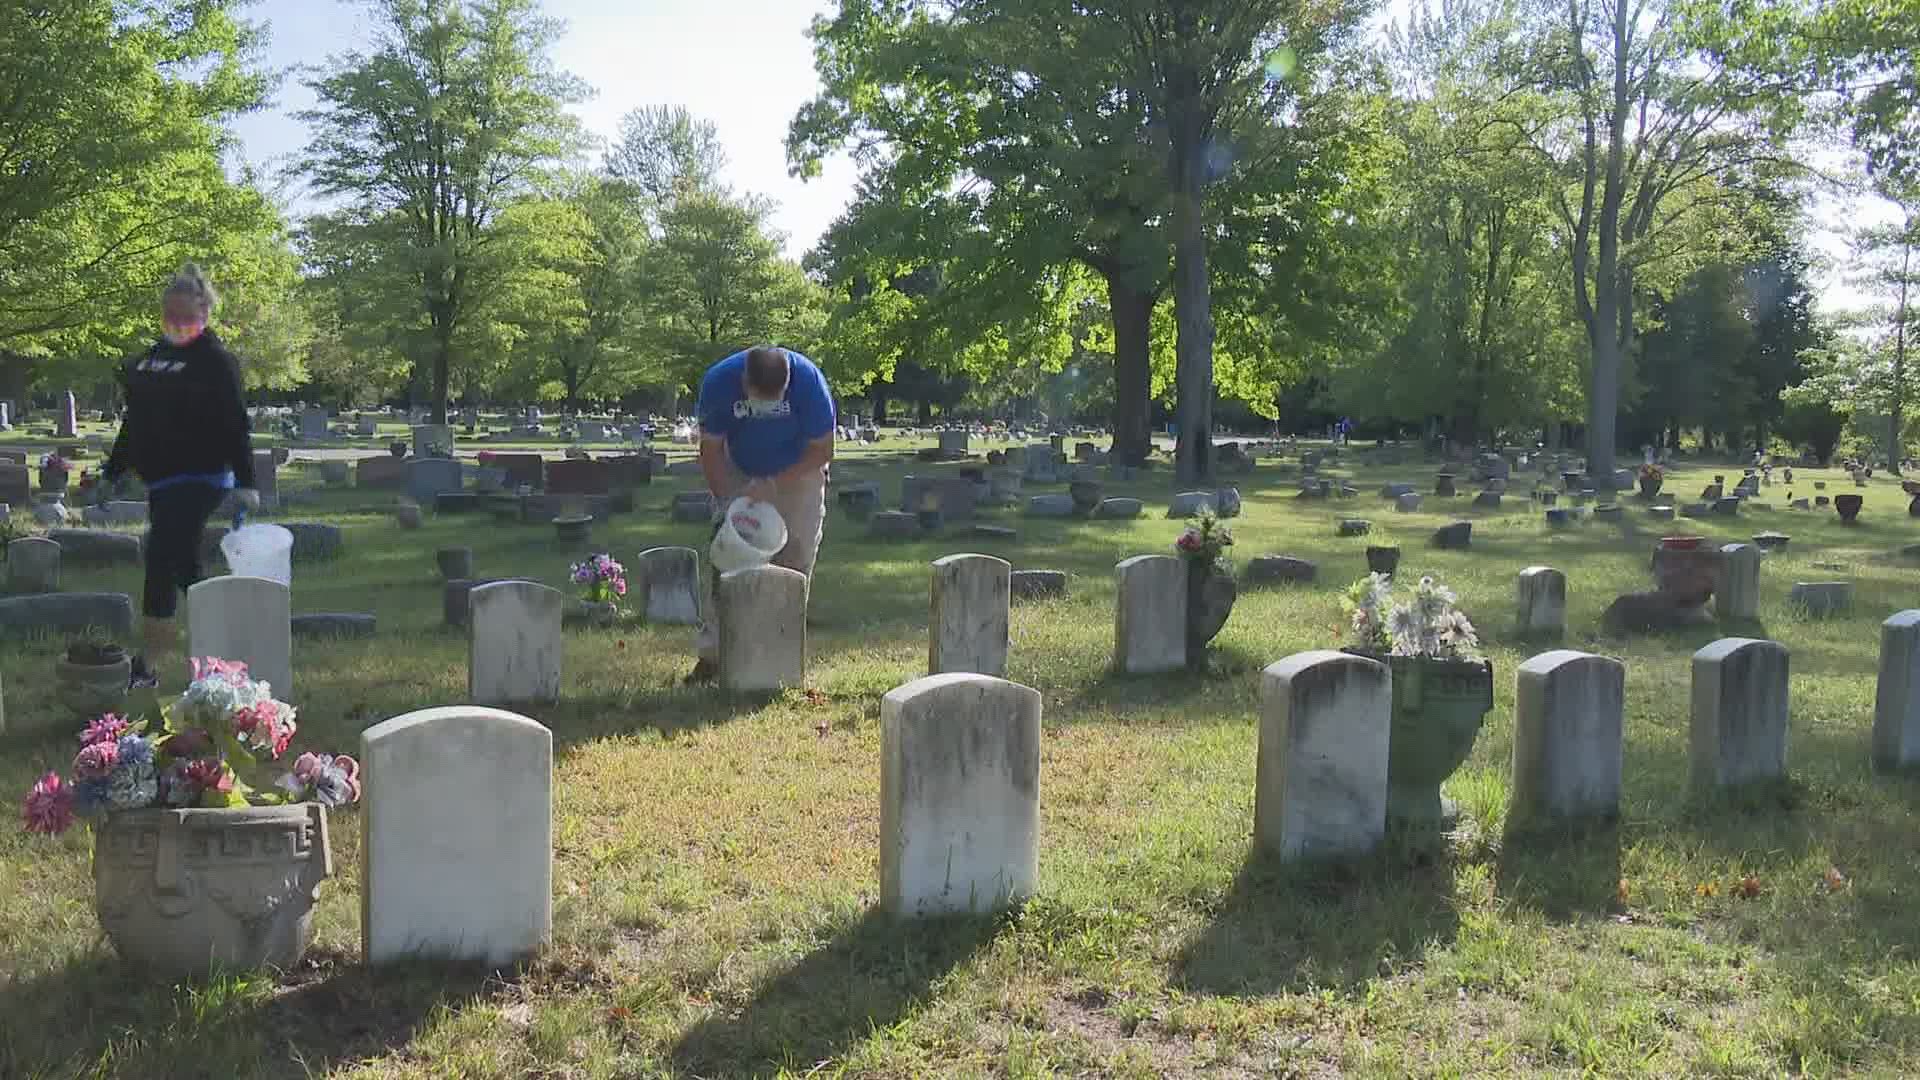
49	806
97	761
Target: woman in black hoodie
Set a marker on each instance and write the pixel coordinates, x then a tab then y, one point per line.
185	435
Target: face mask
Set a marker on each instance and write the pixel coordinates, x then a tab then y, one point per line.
183	333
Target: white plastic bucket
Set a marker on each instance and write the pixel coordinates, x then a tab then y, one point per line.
264	551
751	534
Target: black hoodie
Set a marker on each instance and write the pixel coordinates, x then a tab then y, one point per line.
185	415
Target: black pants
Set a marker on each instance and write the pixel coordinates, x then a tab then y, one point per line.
176	518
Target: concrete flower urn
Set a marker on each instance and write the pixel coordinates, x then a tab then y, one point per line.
90	689
184	892
1848	507
1211	592
1438	708
573	529
54	480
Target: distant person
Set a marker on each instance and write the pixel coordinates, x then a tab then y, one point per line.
185	435
766	432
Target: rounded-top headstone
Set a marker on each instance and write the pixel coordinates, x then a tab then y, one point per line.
1320	782
249	619
959	795
457	848
1568	747
969	624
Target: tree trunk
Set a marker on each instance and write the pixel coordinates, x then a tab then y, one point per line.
442	367
878	395
1192	305
1132	370
926	411
1899	404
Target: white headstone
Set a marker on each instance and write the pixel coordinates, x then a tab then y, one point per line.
68	423
1737	593
959	795
33	565
1320	785
457	841
6	416
1567	743
1896	703
1542	594
1150	615
248	619
1739	724
513	642
969	623
432	440
668	581
762	614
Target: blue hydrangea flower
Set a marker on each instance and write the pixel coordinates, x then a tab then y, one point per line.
134	750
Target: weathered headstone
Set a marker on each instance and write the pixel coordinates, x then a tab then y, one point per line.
1487	500
667	581
67	613
248	619
1117	509
1896	702
1355	526
1408	503
959	795
762	614
428	477
1150	615
1822	599
577	476
1280	569
1454	536
1737	594
457	836
953	443
513	642
1320	784
68	424
1059	506
1037	584
16	484
380	473
1568	747
1542	595
968	627
33	565
1739	713
432	440
1190	504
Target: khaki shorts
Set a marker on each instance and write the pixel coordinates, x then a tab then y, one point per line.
804	509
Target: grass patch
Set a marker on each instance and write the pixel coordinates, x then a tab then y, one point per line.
716	858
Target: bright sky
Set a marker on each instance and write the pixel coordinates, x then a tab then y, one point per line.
746	65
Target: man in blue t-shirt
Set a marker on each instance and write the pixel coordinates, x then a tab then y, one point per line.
766	431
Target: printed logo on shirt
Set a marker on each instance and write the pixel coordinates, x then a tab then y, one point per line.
161	367
748	409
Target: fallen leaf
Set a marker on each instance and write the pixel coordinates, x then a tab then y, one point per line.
1748	888
816	697
1707	888
620	645
1836	880
620	1012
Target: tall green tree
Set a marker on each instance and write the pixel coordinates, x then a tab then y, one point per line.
662	150
457	111
1654	136
111	129
715	283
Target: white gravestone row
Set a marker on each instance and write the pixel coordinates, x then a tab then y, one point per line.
513	644
969	623
1738	732
1896	703
248	619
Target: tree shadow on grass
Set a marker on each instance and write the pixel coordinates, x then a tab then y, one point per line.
1563	870
1292	927
866	979
301	1023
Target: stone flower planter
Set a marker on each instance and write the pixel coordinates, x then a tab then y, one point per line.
1382	559
1438	707
594	613
1848	507
54	480
183	892
1650	487
1086	495
92	689
1211	592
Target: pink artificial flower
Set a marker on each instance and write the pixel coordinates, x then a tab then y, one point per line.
49	806
209	774
234	671
96	761
107	728
619	586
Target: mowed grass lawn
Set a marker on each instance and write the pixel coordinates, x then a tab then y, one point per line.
716	859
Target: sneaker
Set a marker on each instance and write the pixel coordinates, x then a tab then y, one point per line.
142	679
704	672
